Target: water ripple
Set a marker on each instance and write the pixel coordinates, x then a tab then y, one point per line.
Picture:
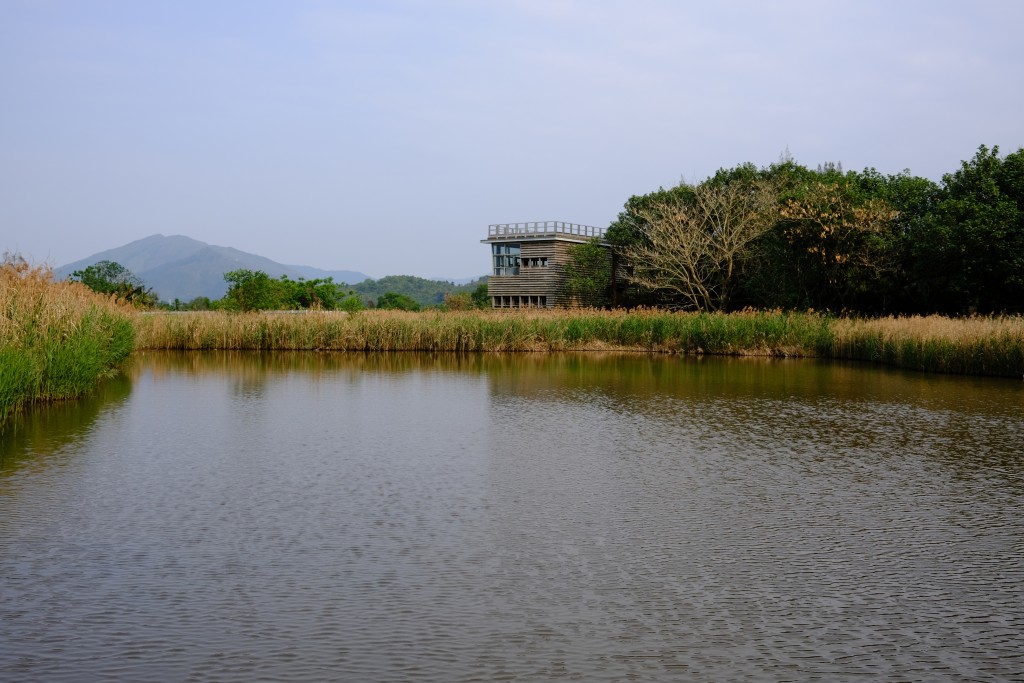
542	524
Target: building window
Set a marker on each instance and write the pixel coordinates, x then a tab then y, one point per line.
523	301
506	259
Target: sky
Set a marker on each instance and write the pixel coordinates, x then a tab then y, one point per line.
385	136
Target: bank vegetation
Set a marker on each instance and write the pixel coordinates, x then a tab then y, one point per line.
57	339
976	345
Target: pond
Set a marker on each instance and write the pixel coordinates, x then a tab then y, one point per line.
407	517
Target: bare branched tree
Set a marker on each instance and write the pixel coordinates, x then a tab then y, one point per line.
694	245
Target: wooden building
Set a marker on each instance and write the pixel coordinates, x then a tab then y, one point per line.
528	262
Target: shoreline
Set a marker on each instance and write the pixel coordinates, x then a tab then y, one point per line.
967	346
68	356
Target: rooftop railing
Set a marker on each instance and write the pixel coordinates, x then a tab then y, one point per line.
543	229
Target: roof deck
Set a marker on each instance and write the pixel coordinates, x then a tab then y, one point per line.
543	230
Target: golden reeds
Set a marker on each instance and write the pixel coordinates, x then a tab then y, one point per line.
975	345
992	346
56	338
771	333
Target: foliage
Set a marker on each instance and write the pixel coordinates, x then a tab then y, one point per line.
913	199
57	339
631	227
984	346
395	301
695	241
422	291
840	242
110	277
973	246
845	241
480	297
250	290
318	293
588	274
457	302
351	303
255	291
200	303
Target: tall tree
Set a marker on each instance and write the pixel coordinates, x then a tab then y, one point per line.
110	277
976	243
694	241
250	290
396	301
841	241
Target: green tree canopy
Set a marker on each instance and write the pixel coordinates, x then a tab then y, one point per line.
110	277
421	290
396	301
857	241
249	290
480	296
588	274
975	244
841	242
253	290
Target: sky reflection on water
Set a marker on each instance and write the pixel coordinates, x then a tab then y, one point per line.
454	518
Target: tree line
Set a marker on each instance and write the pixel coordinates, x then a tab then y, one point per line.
254	290
788	236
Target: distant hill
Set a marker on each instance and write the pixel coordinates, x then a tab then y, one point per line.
421	290
179	267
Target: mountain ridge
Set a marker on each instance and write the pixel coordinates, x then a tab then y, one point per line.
183	268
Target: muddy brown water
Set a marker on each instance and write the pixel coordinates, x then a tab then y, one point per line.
405	517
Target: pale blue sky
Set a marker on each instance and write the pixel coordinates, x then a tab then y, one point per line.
385	136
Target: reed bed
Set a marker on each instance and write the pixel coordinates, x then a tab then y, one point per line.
57	339
752	333
969	346
983	346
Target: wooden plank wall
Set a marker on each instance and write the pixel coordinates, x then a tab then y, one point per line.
547	281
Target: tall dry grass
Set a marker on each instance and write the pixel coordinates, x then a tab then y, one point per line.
971	346
56	338
763	333
987	346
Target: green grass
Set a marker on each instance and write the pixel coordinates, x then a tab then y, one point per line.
57	339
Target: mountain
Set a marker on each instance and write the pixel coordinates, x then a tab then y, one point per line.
179	267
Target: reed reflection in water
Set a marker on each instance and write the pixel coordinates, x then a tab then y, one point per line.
523	517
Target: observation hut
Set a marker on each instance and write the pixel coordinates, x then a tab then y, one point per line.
528	262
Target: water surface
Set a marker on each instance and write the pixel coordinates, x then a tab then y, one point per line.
404	517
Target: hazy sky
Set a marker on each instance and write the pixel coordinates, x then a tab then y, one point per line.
384	136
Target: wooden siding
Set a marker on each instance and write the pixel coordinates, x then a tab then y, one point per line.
541	281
